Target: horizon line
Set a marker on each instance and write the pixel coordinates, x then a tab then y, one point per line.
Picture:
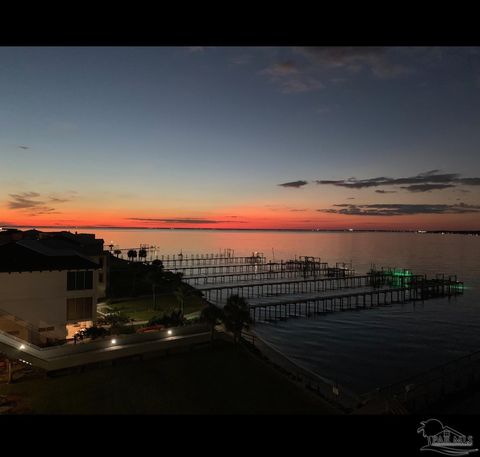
237	229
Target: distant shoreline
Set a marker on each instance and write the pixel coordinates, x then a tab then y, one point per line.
92	227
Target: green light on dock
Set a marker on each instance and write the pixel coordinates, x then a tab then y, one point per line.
401	273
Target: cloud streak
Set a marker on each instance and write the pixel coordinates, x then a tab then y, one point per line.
186	220
295	184
33	203
423	182
400	209
24	200
427	187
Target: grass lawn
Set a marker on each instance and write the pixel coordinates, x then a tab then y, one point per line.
217	381
141	308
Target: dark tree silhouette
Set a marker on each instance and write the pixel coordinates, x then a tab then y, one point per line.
157	263
132	254
212	316
236	316
142	254
117	252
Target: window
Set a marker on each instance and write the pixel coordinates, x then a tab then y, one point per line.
79	280
79	308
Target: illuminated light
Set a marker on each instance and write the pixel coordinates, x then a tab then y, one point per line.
22	347
114	341
169	332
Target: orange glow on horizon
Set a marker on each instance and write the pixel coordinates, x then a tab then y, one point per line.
245	218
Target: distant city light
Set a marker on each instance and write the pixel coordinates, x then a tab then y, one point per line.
22	347
169	332
114	341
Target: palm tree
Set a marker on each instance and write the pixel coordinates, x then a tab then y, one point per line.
117	252
142	254
211	315
132	254
236	316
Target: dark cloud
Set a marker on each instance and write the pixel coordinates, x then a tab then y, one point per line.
470	181
422	182
32	202
186	220
24	200
44	210
294	210
351	198
23	147
399	209
380	191
295	184
58	199
426	187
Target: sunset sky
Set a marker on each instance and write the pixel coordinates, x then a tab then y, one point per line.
232	137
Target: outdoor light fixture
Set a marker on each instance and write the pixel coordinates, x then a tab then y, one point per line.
114	341
169	332
22	347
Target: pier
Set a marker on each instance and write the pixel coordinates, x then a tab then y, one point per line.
361	299
227	268
305	285
260	288
204	260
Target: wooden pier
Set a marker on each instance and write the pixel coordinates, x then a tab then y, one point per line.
202	260
417	290
275	288
256	275
227	268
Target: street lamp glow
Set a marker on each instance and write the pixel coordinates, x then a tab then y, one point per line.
114	341
169	332
22	347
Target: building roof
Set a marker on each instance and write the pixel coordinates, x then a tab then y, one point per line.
15	257
82	243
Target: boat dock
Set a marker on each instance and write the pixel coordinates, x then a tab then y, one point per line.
306	285
361	298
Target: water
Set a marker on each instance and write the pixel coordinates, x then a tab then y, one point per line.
359	349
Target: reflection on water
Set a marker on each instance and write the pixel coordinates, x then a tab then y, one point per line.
360	349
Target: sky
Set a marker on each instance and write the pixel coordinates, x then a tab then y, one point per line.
240	137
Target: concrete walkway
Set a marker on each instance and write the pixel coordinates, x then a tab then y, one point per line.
113	347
